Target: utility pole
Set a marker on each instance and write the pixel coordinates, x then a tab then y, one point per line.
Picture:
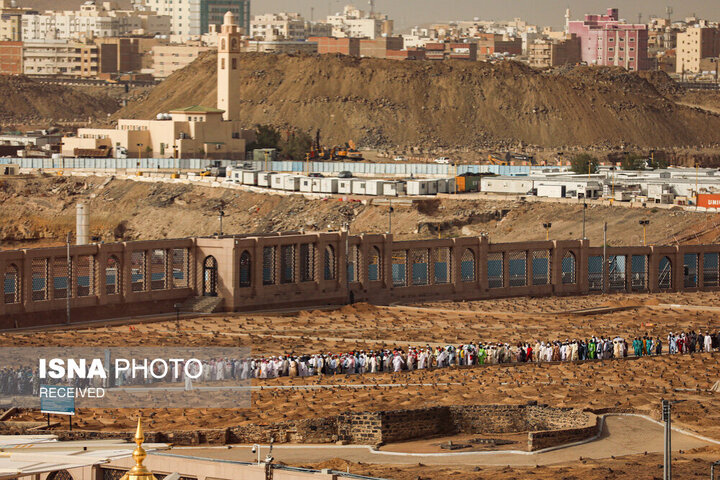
221	214
604	256
68	281
390	212
584	210
667	463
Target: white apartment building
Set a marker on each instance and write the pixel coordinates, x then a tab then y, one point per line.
192	18
92	21
51	57
355	23
278	26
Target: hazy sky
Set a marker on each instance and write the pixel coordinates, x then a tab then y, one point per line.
408	13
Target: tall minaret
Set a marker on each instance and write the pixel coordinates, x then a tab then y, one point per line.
567	20
227	68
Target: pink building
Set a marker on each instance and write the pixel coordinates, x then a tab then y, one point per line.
606	41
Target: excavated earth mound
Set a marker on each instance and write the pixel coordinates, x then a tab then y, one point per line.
385	103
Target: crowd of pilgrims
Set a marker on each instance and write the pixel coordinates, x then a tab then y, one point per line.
23	381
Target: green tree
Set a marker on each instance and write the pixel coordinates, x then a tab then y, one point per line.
267	137
296	146
633	161
584	163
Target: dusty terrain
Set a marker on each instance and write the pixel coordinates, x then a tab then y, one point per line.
625	384
445	104
26	102
39	211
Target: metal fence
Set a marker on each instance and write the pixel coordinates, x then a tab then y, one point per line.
358	168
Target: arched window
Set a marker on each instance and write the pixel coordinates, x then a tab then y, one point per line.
234	43
467	266
222	64
568	268
245	269
60	475
329	263
210	277
11	284
223	45
665	274
374	265
112	276
419	266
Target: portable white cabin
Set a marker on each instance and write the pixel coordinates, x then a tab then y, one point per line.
393	189
374	187
358	187
264	179
329	185
345	186
292	183
249	177
277	181
417	187
432	187
306	184
316	185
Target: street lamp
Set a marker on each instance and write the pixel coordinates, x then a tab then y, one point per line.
547	230
644	224
390	212
139	147
221	214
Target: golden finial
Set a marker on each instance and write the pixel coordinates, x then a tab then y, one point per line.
139	471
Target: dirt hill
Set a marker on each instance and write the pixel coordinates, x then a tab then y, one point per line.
385	103
26	101
39	211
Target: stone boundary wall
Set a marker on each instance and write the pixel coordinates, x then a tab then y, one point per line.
546	427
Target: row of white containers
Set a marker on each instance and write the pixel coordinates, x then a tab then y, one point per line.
355	186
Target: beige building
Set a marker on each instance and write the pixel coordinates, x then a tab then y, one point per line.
553	53
169	58
277	26
694	45
51	57
280	46
10	27
192	132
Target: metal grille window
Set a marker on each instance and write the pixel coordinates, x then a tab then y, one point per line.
307	262
665	273
60	276
374	265
287	264
11	284
495	270
399	266
180	267
329	263
112	276
541	267
245	269
441	264
269	265
419	262
568	269
137	271
638	272
467	266
595	273
690	270
85	276
710	269
517	269
617	265
353	264
39	271
157	270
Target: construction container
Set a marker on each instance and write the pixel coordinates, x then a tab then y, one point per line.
264	179
709	200
277	181
551	191
345	186
432	188
306	184
329	185
316	186
358	187
468	183
374	187
393	189
420	187
249	177
291	183
446	185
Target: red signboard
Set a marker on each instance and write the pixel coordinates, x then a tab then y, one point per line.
708	200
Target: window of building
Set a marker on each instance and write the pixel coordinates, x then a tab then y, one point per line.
611	49
611	39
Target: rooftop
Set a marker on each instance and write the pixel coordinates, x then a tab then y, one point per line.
197	109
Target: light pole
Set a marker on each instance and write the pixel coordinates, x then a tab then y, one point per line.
68	281
584	210
547	230
667	457
644	224
221	214
697	175
139	146
390	212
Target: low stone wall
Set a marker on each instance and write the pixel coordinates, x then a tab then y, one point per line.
546	427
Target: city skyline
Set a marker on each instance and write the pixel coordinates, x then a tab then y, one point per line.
409	13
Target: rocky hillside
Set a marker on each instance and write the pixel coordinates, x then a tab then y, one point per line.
386	103
27	101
